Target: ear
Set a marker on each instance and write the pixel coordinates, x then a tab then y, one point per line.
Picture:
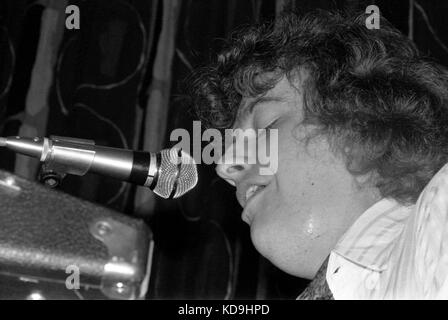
367	181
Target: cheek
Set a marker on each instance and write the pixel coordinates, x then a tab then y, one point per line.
288	221
294	242
272	237
282	226
290	242
295	234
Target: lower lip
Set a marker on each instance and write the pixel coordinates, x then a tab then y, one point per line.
247	216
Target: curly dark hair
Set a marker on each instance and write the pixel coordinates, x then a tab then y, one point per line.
370	91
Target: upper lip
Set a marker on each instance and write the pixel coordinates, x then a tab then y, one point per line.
245	190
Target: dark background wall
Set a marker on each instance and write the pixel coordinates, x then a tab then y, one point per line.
102	84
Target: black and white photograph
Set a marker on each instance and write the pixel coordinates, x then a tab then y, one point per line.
224	155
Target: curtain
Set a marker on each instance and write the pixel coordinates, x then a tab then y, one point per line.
35	118
154	128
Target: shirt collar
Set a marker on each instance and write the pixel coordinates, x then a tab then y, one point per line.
370	241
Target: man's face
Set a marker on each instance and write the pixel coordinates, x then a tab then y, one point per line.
298	213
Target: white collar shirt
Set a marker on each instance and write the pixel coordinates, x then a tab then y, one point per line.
394	251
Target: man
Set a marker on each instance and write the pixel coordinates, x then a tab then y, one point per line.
362	129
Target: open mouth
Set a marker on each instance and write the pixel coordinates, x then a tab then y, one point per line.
252	191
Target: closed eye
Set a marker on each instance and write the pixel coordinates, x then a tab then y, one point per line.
272	124
267	128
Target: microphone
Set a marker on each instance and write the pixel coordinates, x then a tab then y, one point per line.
169	173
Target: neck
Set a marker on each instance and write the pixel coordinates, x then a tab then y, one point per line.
318	287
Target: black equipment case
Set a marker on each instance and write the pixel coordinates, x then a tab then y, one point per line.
55	246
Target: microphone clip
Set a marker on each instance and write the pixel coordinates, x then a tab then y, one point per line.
52	173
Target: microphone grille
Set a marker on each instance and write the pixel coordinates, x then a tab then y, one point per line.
177	173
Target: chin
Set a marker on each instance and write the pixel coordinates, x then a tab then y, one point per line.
296	268
302	261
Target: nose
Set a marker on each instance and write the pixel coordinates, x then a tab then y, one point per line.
232	173
235	164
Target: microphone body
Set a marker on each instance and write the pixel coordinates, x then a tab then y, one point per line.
169	173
